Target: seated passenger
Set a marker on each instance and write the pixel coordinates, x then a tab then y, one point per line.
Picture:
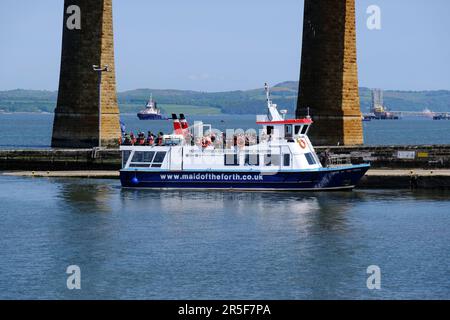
150	139
141	139
127	140
159	139
132	138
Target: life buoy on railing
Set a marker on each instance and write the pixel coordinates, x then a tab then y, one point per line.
302	143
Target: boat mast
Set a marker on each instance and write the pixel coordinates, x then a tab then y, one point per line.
266	88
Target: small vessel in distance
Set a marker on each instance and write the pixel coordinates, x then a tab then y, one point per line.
151	111
280	158
442	116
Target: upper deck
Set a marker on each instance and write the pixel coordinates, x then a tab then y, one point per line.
281	144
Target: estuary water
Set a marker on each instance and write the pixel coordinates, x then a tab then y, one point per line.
142	244
28	130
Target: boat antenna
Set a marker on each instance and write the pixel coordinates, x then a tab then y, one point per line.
266	88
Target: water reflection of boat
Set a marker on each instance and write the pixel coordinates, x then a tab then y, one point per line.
151	112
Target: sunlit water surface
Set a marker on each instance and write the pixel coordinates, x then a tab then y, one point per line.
219	245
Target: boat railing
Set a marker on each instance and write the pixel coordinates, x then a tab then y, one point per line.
339	160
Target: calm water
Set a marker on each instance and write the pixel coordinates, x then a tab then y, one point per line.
34	130
195	245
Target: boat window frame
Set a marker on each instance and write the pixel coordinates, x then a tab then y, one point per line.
304	129
235	162
310	158
288	131
286	156
247	159
125	158
153	163
158	153
271	157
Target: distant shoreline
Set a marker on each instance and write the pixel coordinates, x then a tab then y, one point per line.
235	102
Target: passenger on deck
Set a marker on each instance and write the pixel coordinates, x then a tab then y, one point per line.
150	139
127	140
206	142
325	158
132	138
159	139
141	139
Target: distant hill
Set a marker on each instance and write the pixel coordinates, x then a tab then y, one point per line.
230	102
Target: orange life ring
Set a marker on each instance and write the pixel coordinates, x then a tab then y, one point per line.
302	143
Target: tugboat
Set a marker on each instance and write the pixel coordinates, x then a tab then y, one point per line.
151	112
280	158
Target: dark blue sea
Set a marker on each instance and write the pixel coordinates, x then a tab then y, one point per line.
220	245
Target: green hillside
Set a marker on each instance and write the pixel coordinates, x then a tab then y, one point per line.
232	102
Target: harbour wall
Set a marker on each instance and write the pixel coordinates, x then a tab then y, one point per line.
393	157
60	159
422	167
389	157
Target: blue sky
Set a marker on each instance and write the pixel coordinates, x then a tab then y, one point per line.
225	45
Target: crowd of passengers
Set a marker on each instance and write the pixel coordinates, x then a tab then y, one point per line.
210	140
130	139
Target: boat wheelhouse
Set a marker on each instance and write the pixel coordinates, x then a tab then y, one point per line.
278	157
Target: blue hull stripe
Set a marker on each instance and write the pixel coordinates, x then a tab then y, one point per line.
330	179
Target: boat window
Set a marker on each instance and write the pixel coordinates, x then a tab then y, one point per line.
286	159
269	130
138	157
288	131
309	157
304	129
252	159
297	129
125	156
139	165
231	159
159	157
172	141
272	159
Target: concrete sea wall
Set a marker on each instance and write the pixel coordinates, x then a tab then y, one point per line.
421	167
389	157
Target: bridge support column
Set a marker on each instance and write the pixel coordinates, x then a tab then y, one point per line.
87	41
328	76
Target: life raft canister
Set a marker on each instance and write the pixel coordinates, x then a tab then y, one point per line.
302	143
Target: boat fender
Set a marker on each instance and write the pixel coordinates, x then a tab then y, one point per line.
134	180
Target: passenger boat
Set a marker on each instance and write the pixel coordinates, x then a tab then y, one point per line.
151	112
281	157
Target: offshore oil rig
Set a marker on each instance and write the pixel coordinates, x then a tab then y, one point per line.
379	111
